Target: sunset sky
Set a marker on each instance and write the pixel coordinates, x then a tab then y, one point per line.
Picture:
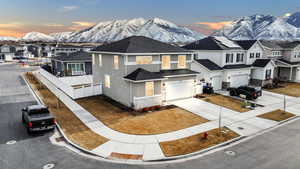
21	16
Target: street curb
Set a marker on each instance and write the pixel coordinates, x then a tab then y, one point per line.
40	101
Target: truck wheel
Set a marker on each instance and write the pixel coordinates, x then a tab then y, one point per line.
232	93
29	131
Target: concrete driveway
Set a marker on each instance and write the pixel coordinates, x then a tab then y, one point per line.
267	98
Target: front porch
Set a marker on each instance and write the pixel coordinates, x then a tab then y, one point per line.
287	71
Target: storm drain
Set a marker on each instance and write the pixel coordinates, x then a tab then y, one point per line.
49	166
231	153
11	142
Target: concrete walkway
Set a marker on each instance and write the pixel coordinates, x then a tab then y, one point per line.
148	145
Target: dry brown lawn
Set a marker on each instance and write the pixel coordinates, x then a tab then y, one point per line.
157	122
277	115
196	142
290	89
225	101
74	129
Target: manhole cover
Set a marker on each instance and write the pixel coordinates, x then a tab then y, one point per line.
231	153
241	128
11	142
49	166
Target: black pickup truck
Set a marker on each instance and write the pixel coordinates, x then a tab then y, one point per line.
246	92
37	118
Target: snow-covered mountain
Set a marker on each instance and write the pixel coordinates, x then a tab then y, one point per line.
61	36
263	27
8	38
119	29
37	36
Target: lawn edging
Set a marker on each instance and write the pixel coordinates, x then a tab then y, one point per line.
40	101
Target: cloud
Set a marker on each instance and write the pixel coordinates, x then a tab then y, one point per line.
69	8
78	25
214	25
54	25
10	25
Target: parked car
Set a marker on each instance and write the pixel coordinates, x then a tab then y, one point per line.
37	118
246	92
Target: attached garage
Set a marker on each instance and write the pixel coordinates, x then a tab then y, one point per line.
239	80
179	89
216	82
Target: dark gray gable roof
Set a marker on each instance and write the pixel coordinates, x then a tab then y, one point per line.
246	44
142	74
289	45
238	66
177	72
270	44
261	62
139	44
289	63
209	43
76	56
208	64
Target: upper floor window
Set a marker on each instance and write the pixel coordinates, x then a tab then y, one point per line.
297	54
251	55
166	62
276	53
257	55
76	68
239	57
116	62
140	60
181	61
100	60
229	57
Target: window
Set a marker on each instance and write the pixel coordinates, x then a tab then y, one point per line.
268	74
239	57
181	61
100	59
149	88
276	53
116	62
141	60
257	55
242	57
93	57
75	68
231	58
107	81
227	57
166	63
251	55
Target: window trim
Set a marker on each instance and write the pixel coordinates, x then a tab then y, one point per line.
74	73
183	64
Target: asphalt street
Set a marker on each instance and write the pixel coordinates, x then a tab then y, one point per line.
277	149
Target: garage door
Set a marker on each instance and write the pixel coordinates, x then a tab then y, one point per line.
216	82
239	80
179	89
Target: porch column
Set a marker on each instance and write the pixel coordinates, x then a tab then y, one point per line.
291	73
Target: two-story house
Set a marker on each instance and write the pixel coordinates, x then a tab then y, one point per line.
221	62
7	52
140	72
263	67
288	65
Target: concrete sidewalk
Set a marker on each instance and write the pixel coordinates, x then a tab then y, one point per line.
148	145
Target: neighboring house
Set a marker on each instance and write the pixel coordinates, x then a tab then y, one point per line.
221	62
64	48
73	64
7	52
140	72
262	72
288	65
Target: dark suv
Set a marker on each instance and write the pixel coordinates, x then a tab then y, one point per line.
246	92
37	118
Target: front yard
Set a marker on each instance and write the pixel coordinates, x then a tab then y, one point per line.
74	129
290	89
196	142
224	101
156	122
277	115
